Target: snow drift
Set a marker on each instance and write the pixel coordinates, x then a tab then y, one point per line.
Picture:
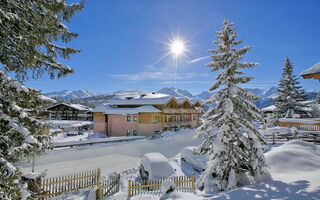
294	156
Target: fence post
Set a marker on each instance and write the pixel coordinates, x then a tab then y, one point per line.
99	191
193	180
272	137
129	188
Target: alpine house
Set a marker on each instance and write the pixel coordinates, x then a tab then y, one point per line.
146	114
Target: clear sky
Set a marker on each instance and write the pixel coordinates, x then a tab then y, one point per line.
123	41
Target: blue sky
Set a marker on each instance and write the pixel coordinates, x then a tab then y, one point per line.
122	41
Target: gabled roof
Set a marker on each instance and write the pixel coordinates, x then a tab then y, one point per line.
195	100
182	100
107	109
74	106
312	72
152	99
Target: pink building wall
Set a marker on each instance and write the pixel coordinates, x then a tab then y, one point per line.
100	127
118	126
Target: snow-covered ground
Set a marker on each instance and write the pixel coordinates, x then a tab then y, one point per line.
67	123
63	137
295	167
111	157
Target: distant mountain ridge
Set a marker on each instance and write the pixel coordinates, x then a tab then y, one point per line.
175	92
266	96
67	94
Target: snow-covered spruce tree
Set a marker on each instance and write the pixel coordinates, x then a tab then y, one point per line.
28	33
290	95
230	136
20	134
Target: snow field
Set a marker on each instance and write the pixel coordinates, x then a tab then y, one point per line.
295	167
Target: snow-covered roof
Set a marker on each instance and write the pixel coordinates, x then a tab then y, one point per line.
269	108
107	109
182	100
48	99
142	100
195	100
312	70
75	106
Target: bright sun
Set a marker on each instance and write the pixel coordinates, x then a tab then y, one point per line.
177	47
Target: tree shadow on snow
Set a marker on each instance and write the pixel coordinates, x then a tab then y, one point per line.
269	190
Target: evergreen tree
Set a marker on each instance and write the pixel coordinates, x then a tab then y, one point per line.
317	100
230	136
20	133
29	30
28	33
316	107
290	95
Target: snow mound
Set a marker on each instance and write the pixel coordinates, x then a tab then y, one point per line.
167	186
96	135
197	161
81	194
294	156
176	195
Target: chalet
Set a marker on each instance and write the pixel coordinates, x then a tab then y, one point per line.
65	111
146	115
312	72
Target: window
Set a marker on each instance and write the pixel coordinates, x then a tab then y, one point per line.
128	118
174	118
135	118
134	132
194	117
166	118
128	132
181	118
156	119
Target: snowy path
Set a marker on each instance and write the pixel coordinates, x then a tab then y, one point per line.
110	157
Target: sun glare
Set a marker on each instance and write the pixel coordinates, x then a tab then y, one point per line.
177	47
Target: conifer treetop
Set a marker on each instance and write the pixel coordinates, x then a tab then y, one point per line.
29	34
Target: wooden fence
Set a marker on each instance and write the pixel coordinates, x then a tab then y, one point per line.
57	185
51	187
181	182
111	186
307	136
